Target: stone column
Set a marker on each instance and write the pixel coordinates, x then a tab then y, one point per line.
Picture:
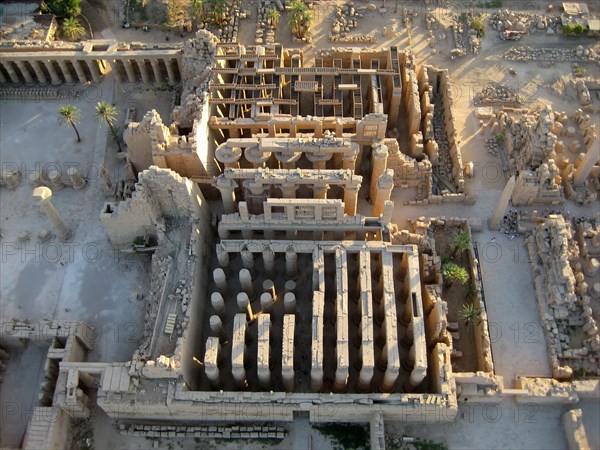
216	325
218	303
238	349
266	301
583	171
247	260
43	195
349	159
65	71
25	72
379	157
246	282
227	189
129	70
383	192
79	70
320	190
220	280
287	352
171	71
289	190
93	66
53	73
222	256
76	180
351	199
262	352
156	69
291	262
257	196
12	73
317	355
11	178
268	260
39	73
3	79
495	218
141	63
289	303
54	179
211	361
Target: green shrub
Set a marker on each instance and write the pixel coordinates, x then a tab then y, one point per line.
62	9
573	29
477	25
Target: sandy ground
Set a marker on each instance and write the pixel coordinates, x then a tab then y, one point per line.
84	279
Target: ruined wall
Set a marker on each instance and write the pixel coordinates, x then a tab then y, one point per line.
130	218
563	299
48	429
194	407
145	138
445	90
408	172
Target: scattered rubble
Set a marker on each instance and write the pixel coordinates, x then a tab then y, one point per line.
581	54
496	94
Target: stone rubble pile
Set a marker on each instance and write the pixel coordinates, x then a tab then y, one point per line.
160	267
39	94
496	94
580	54
563	299
505	20
492	146
265	31
346	19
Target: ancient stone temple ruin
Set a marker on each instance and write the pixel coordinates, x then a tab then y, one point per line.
264	107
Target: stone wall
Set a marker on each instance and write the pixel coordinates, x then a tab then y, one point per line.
408	172
563	299
574	430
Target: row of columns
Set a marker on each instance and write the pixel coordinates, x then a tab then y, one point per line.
153	76
240	354
32	72
43	71
227	188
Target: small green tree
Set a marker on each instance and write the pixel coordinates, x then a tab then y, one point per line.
573	29
273	16
198	10
72	29
453	273
471	314
220	12
62	9
460	243
70	115
300	18
108	113
477	25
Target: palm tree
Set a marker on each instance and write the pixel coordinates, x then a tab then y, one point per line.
198	10
70	115
453	273
471	314
72	29
108	113
300	18
273	16
461	242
